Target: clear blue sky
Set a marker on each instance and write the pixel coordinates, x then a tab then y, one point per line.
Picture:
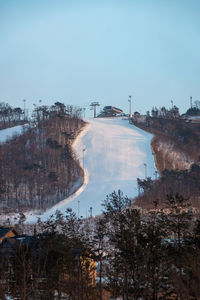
81	51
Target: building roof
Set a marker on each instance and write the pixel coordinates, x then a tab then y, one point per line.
112	108
5	230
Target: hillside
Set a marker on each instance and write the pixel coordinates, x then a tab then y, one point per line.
11	116
114	156
176	146
38	168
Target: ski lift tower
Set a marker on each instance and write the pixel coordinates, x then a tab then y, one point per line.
93	106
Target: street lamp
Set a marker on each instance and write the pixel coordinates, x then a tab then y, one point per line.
145	170
84	109
41	195
129	100
83	156
78	208
90	212
24	108
190	101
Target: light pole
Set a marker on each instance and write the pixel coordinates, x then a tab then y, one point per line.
78	208
24	108
190	101
172	102
84	109
41	195
83	156
91	212
145	170
129	100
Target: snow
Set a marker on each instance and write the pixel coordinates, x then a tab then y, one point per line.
6	134
194	117
179	159
114	157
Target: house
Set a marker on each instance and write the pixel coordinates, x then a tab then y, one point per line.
36	247
88	264
7	232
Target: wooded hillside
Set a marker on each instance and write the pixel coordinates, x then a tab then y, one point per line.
10	116
153	256
38	168
182	139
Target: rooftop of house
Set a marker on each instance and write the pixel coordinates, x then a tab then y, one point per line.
5	230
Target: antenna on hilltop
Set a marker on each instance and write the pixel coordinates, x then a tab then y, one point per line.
93	106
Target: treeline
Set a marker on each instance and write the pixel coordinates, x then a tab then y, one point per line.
10	116
169	125
185	136
152	256
165	113
184	182
53	264
194	110
39	168
180	137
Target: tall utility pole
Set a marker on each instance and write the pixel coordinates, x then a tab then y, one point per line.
190	101
83	109
129	100
83	157
90	212
145	170
93	107
24	109
78	209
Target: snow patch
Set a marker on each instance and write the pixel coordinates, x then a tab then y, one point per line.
8	133
179	159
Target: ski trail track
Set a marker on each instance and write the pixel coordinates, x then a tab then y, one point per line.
114	157
8	133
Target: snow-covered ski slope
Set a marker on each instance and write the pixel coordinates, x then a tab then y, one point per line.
6	134
114	156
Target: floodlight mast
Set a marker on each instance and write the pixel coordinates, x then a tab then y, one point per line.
191	101
93	107
129	100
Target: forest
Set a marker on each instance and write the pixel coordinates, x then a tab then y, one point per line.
169	124
184	182
123	253
10	116
39	168
127	253
169	128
